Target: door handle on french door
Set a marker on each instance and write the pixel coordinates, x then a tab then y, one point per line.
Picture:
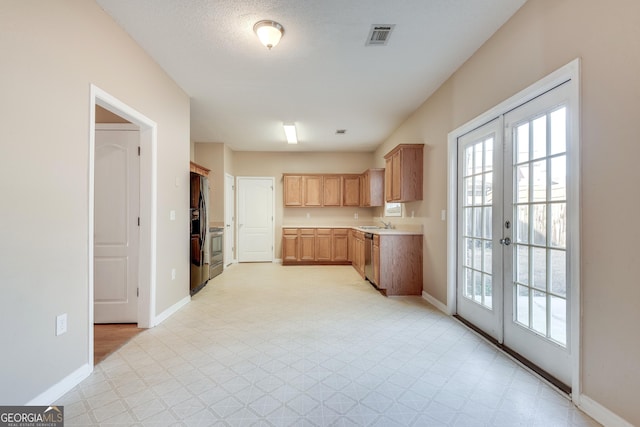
506	241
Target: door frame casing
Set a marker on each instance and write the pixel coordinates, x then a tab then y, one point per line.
148	208
568	73
231	257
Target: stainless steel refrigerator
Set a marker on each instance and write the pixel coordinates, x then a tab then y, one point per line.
199	232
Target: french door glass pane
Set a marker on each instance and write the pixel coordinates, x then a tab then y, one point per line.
559	131
477	217
522	224
540	192
522	305
539	137
558	319
522	143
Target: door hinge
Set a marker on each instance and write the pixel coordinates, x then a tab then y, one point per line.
138	150
137	292
138	221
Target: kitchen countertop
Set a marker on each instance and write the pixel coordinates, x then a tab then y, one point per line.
379	231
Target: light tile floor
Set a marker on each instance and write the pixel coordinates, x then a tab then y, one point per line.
267	345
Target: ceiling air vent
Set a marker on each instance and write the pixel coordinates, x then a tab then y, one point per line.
379	35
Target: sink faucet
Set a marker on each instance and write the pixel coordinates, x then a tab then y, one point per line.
387	225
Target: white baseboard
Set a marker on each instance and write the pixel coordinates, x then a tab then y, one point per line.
171	310
59	389
277	261
600	413
436	303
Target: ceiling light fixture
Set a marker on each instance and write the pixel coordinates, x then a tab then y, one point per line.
269	32
290	131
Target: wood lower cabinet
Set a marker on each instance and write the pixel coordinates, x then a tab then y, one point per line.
376	259
358	258
307	244
398	264
315	246
340	245
323	244
290	244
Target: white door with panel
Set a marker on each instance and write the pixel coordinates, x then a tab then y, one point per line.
255	219
513	202
229	218
116	233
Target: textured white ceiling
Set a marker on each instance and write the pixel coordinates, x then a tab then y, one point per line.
321	76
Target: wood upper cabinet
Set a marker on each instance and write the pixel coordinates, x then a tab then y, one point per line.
403	173
312	190
372	188
199	169
351	190
292	190
332	190
340	245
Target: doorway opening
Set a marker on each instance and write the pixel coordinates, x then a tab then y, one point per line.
146	253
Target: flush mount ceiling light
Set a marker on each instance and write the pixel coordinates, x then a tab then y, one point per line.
290	131
269	32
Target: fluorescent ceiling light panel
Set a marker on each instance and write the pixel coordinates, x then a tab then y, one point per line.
290	131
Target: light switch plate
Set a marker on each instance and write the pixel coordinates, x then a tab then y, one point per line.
61	324
172	215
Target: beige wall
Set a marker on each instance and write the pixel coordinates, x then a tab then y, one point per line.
51	53
543	36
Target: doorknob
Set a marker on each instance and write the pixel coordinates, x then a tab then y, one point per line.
506	241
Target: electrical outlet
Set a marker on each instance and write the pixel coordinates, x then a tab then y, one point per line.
308	215
173	274
172	215
355	215
61	324
443	215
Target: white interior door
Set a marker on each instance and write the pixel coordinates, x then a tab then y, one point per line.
229	219
116	239
513	272
255	219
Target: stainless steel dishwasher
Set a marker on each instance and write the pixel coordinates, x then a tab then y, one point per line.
368	257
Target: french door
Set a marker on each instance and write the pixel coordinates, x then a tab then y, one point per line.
513	205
